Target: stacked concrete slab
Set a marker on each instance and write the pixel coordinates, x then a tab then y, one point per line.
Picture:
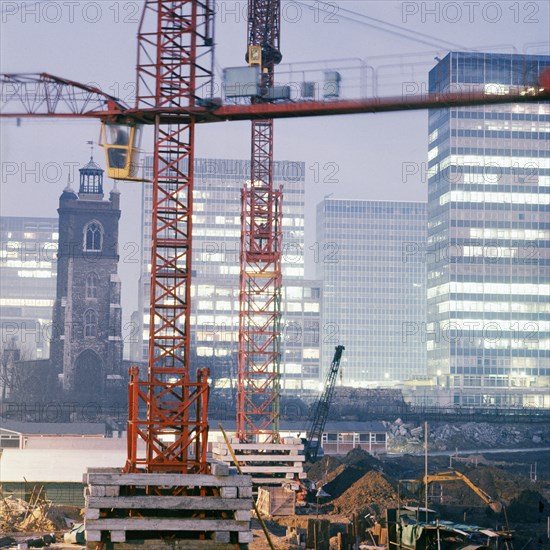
206	511
267	463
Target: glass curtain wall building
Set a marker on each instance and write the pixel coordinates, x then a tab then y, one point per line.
28	269
216	267
489	234
369	257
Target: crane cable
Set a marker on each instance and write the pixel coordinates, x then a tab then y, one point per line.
329	8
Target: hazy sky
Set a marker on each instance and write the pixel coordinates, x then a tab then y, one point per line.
95	41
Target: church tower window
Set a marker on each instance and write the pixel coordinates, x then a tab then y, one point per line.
90	324
93	236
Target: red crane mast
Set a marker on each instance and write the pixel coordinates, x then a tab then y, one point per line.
259	353
174	42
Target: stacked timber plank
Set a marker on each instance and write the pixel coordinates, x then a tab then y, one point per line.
205	510
267	463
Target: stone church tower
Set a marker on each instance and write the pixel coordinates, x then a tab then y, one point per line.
86	349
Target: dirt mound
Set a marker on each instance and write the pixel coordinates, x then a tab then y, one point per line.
345	478
320	471
529	507
362	459
353	467
373	491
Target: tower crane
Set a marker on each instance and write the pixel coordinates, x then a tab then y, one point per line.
321	408
174	77
259	354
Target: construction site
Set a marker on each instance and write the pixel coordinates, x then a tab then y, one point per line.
493	499
189	481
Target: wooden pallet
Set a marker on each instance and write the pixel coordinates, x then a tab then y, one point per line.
215	508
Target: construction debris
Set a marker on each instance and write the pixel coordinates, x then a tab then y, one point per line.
38	515
409	438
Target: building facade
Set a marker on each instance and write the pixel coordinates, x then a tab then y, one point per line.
86	347
28	258
489	235
373	287
216	268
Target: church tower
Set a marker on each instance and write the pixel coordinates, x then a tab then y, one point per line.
86	350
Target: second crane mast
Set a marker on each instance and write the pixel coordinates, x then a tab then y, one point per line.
261	250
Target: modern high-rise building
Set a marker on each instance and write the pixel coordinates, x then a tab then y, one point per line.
374	284
216	268
488	250
28	260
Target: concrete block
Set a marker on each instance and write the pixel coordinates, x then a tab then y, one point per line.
245	492
92	535
219	469
242	515
222	536
246	537
118	536
112	490
91	513
96	490
229	492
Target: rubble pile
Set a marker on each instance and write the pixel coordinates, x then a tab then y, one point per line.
409	438
372	492
358	403
404	438
18	515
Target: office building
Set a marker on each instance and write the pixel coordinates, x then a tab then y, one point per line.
216	267
368	258
489	235
28	259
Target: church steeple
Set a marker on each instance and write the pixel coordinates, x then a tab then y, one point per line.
91	179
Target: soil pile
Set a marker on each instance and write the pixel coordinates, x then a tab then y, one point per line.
528	507
321	470
353	467
372	492
362	459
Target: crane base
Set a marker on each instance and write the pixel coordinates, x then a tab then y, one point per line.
157	510
267	463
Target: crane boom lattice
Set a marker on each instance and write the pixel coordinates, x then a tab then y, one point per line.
322	406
